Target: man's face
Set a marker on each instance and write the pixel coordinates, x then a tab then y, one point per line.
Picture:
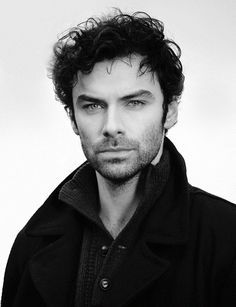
118	116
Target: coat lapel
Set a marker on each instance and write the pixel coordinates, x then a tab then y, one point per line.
145	264
140	270
54	267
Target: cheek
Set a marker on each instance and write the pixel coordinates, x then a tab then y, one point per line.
152	135
147	120
88	135
85	136
88	127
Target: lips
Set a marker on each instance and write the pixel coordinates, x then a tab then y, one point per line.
115	145
118	149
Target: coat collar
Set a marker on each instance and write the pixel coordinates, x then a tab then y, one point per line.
54	267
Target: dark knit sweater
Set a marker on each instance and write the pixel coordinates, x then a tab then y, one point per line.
102	255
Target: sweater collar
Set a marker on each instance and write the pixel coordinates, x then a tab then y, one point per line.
81	192
169	220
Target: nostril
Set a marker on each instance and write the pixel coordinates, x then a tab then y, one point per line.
111	133
106	134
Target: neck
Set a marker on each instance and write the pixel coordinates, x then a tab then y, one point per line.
118	202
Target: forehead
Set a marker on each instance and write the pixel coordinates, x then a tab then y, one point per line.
116	76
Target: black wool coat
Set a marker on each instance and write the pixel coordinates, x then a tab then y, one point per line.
184	257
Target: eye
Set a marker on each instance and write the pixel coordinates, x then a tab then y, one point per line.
92	107
135	103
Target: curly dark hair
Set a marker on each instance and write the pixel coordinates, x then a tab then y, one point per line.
115	36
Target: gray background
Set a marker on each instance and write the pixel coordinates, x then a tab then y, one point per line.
38	147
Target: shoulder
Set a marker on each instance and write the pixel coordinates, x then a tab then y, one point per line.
208	201
50	218
214	212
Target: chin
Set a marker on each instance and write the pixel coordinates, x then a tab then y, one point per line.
121	169
119	173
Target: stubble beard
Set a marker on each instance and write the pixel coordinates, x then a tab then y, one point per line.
118	170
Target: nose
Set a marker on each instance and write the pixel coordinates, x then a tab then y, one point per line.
113	125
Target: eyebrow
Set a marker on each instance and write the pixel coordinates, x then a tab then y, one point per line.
139	93
84	97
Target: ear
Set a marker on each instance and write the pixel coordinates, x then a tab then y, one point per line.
172	115
70	114
74	126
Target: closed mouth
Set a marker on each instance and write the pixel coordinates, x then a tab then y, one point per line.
118	149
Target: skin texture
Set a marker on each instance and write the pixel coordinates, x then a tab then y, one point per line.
118	116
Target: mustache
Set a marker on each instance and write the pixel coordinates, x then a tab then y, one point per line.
115	143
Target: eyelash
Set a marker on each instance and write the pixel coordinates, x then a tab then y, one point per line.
135	102
97	106
91	106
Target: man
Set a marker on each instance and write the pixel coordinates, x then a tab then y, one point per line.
125	228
